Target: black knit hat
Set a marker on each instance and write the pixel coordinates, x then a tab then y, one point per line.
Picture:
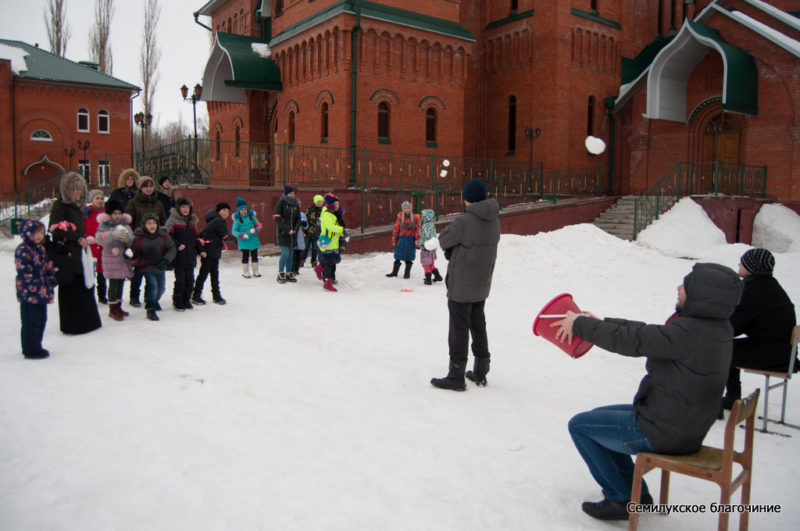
288	189
758	261
164	178
183	201
113	205
474	190
222	206
147	216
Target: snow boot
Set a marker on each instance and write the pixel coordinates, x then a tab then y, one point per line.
281	278
113	311
134	301
427	279
479	370
454	381
407	273
436	276
219	300
152	315
328	285
318	271
255	269
395	269
290	277
246	270
199	300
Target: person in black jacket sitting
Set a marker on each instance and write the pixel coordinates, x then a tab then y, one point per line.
765	316
679	398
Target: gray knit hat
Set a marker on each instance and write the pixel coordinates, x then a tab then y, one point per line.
93	193
758	261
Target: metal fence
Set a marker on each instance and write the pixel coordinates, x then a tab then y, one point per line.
697	178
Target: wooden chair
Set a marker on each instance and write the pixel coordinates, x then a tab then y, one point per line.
784	378
711	464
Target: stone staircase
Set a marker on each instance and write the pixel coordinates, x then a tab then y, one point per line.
618	218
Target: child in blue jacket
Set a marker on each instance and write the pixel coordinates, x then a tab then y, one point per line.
36	281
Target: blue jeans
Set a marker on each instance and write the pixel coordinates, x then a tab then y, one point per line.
311	243
154	288
285	262
606	437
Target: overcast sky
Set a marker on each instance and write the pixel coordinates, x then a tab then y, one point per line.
185	46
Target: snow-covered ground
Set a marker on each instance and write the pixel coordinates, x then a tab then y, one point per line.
292	408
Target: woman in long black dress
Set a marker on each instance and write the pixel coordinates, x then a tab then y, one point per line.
77	308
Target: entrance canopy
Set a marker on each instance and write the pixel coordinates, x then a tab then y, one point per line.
237	63
671	68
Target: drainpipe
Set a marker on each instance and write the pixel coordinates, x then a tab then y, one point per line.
196	21
610	105
354	111
130	113
14	138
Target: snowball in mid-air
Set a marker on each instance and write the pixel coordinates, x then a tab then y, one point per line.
443	174
594	145
445	163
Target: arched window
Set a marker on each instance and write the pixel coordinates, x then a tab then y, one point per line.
514	5
218	145
278	7
512	124
237	138
430	126
103	124
324	122
42	135
291	128
236	23
383	121
83	120
590	117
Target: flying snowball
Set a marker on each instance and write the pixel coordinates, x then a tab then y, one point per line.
445	163
594	145
443	174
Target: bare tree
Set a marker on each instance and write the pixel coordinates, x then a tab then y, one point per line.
151	54
55	19
99	47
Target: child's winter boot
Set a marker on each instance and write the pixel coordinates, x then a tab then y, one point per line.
281	278
152	315
479	370
255	269
407	273
290	277
428	279
328	285
113	311
246	270
436	276
454	381
318	271
395	269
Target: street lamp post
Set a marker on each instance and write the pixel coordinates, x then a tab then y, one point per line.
194	98
84	170
532	135
143	120
69	152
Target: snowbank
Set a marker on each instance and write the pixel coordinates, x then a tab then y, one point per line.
685	230
777	228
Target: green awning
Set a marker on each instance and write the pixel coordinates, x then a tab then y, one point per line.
238	62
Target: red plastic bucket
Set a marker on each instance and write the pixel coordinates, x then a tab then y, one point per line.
541	325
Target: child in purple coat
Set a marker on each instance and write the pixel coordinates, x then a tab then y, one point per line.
115	236
36	280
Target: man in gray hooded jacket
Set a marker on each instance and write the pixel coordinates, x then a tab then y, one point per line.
470	245
679	398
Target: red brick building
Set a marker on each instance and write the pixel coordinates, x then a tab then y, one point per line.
514	80
57	115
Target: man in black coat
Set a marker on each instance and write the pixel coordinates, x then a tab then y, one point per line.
765	316
679	398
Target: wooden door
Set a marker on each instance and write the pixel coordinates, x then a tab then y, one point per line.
721	137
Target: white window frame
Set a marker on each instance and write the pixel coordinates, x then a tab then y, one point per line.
85	169
81	112
41	136
102	113
103	169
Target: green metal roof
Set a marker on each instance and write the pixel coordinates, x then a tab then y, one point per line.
512	17
48	66
373	10
631	68
250	70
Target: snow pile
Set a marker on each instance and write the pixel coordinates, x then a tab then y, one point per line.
16	56
685	230
261	49
777	228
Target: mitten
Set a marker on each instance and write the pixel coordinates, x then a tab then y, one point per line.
162	265
91	239
128	254
243	236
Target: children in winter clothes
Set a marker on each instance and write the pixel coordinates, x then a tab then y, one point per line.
90	213
245	229
330	231
115	237
212	236
182	227
287	223
144	202
153	250
405	237
312	232
164	193
428	244
36	282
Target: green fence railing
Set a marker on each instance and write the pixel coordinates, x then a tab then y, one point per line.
697	178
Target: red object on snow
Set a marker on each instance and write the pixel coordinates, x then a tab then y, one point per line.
541	325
